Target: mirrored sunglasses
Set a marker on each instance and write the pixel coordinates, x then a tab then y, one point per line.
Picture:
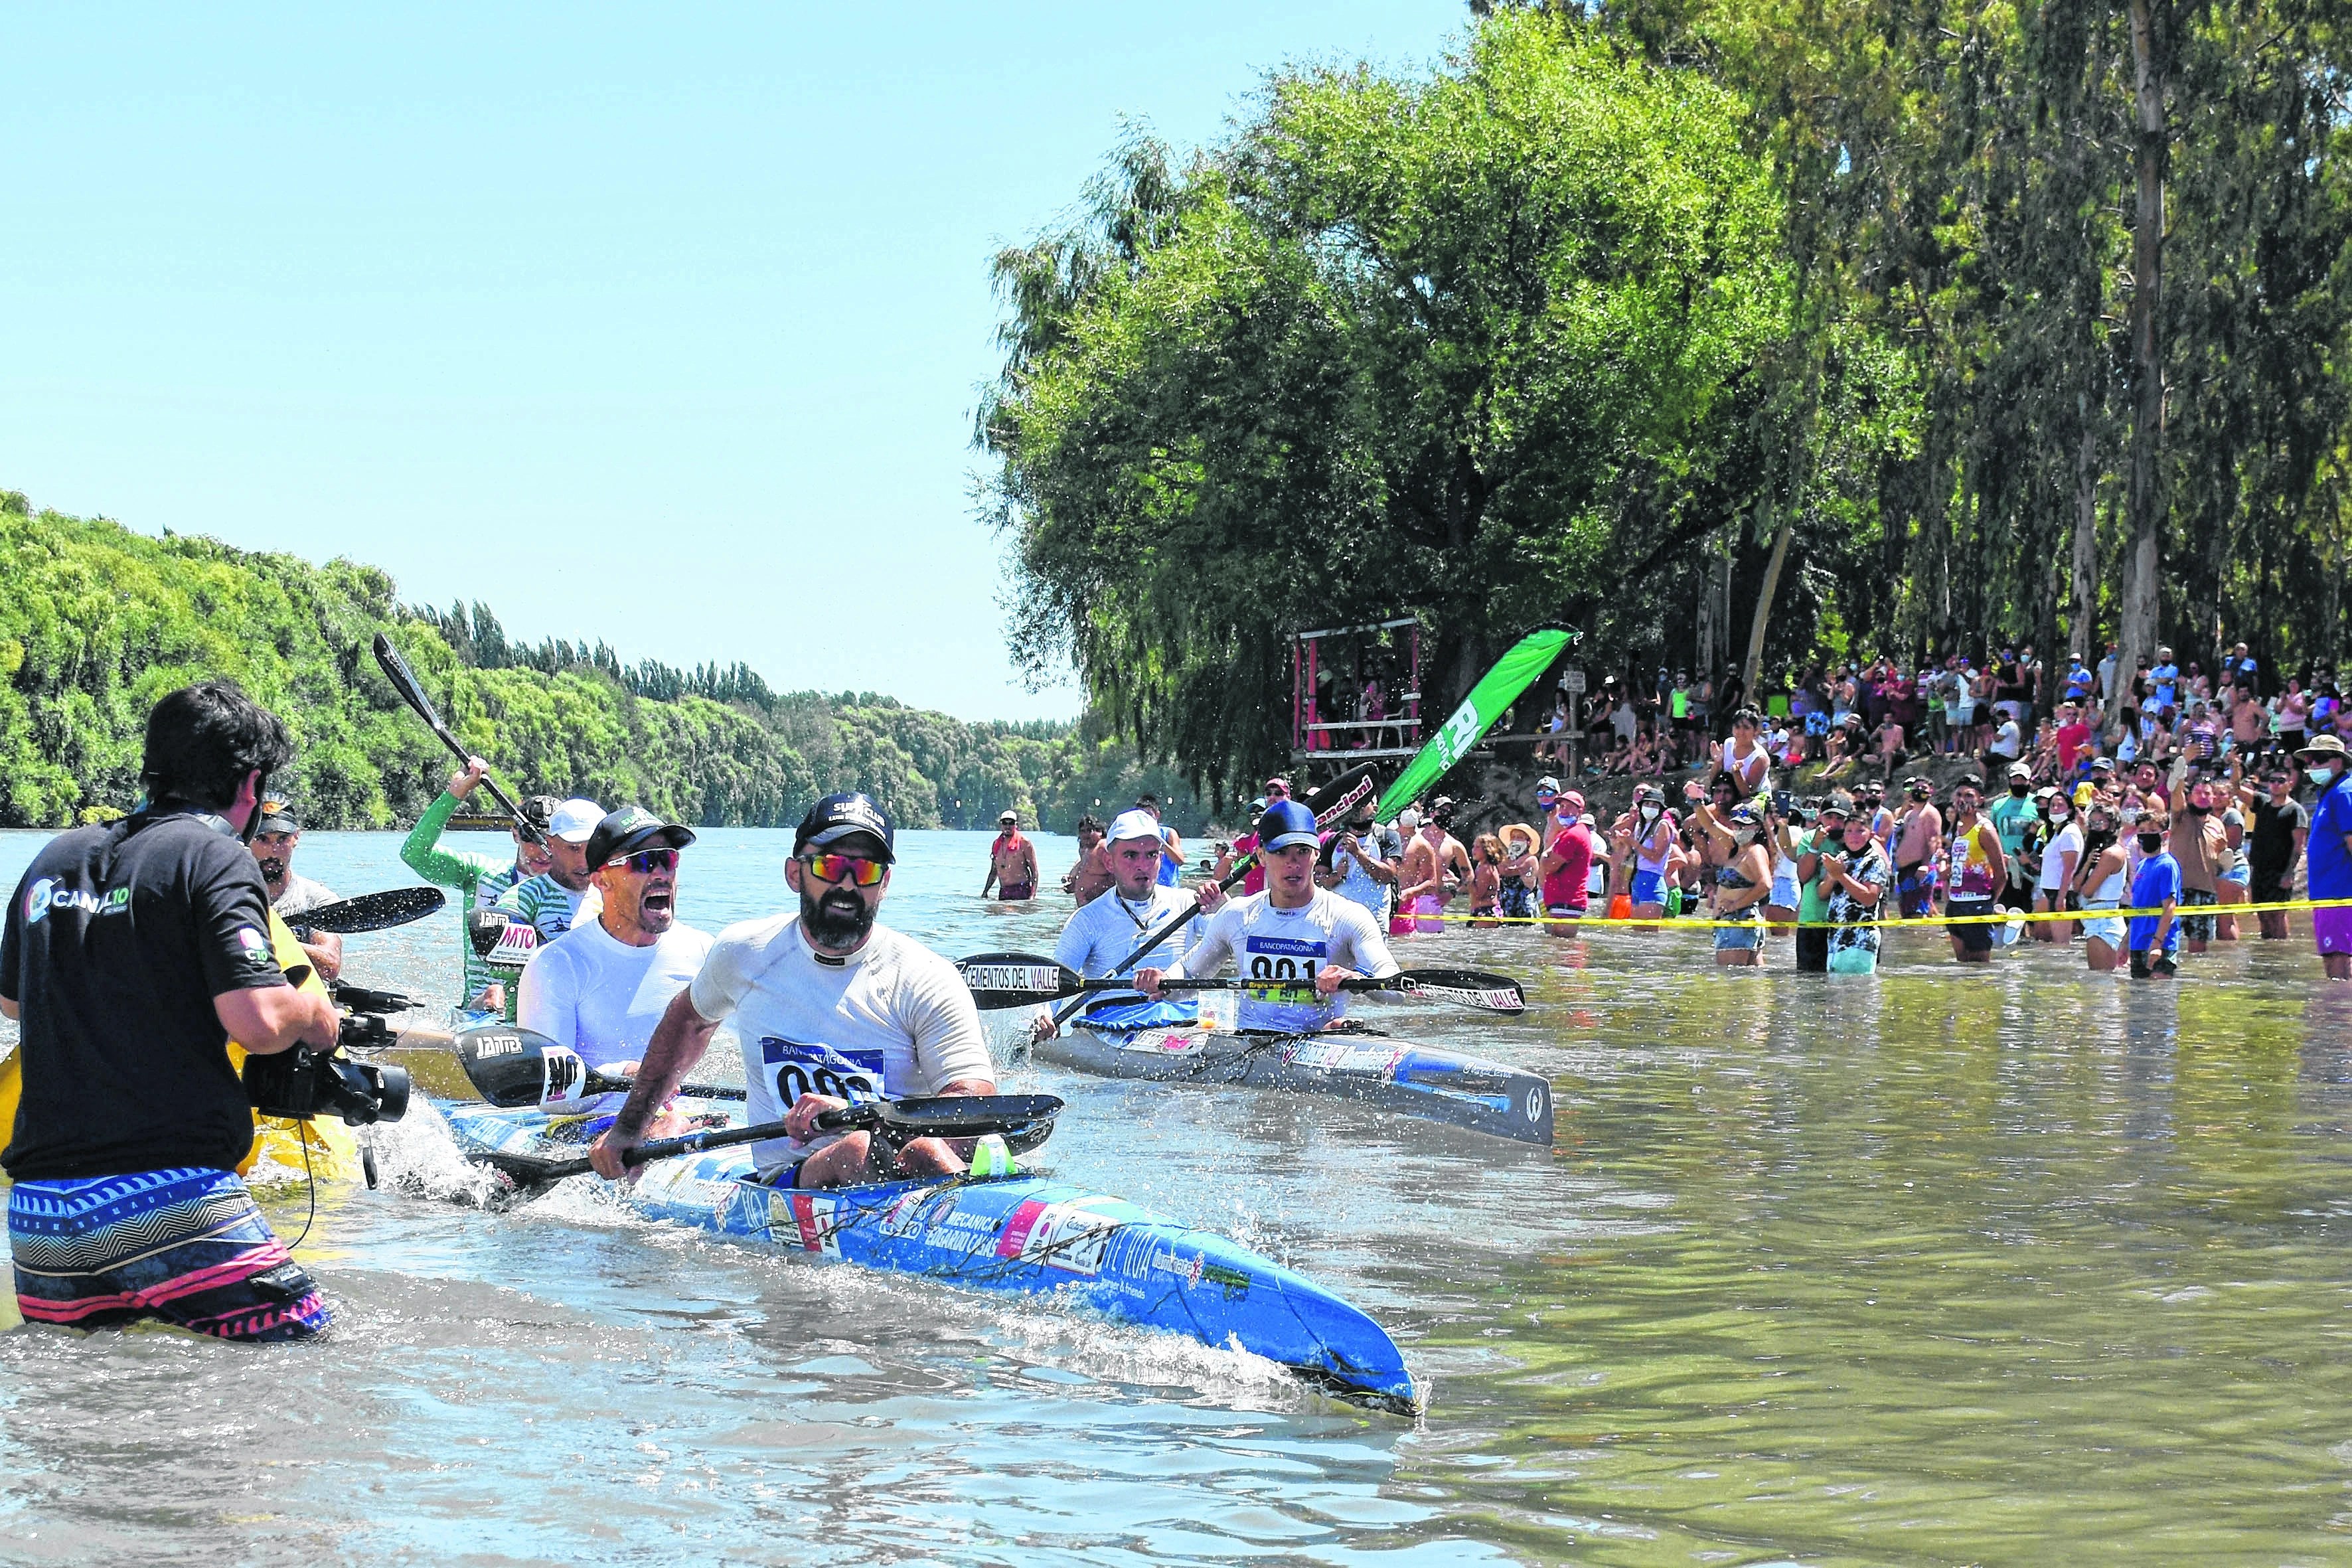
854	870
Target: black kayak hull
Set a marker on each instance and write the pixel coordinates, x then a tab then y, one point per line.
1393	1075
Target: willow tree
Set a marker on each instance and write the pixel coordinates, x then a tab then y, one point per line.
1476	345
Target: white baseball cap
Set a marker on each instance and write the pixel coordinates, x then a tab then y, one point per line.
575	820
1133	825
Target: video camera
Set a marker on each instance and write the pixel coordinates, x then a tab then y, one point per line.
302	1083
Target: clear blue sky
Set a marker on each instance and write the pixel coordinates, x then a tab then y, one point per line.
660	325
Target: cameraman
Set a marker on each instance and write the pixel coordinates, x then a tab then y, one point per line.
132	953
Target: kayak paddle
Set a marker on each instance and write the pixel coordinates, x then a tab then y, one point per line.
404	680
1000	980
511	1069
1329	804
373	911
1023	1120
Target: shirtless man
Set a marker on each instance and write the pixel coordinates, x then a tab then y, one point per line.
1090	877
1918	846
1011	862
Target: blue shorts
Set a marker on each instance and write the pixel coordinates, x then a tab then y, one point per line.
1738	938
185	1246
1648	887
1784	892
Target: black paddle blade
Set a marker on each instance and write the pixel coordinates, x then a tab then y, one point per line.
511	1069
404	680
375	911
1000	980
1465	987
1343	794
968	1115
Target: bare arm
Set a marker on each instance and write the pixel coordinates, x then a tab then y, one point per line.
275	1018
325	952
678	1042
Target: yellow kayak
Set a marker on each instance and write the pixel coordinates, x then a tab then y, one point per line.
279	1145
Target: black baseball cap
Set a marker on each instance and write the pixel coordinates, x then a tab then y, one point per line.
630	829
277	816
839	816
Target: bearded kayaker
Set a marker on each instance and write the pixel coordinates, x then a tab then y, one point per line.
133	953
275	839
1011	862
1293	935
1106	930
827	1005
602	987
560	897
480	879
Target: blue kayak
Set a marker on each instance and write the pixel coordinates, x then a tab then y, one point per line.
1021	1234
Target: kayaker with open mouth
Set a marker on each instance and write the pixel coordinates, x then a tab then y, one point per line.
829	1006
602	987
1106	930
132	953
1294	936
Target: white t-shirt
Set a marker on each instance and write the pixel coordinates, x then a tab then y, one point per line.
1289	946
1107	928
600	996
2007	740
2053	857
892	1019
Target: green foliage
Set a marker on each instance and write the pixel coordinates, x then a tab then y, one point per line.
98	622
1434	346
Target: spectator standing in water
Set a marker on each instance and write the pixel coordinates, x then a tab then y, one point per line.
2156	885
2276	843
1089	876
2102	883
2199	846
1854	875
1918	844
2329	848
1566	867
1011	862
1362	859
1977	872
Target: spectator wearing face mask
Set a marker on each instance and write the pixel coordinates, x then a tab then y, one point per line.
1653	835
2329	849
1566	867
2156	885
2102	880
1742	881
2061	860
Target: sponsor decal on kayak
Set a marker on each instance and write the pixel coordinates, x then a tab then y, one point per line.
1173	1045
818	1219
1494	1001
1059	1236
1339	1056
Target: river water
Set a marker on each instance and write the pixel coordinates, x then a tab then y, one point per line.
2021	1265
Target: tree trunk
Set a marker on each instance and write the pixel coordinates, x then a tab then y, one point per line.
1754	668
2137	630
2083	634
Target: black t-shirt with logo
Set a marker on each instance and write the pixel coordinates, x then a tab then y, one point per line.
116	942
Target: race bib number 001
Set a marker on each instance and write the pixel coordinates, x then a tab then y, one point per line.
794	1070
1281	960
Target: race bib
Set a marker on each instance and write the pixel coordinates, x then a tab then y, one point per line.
1275	960
794	1070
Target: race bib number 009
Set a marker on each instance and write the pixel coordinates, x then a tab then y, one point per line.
794	1070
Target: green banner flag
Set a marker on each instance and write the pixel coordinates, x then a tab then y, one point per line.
1498	690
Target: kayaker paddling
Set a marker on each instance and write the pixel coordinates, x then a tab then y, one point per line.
1292	937
132	955
602	986
560	897
482	879
1104	933
828	1006
275	839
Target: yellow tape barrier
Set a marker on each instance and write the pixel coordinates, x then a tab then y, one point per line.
2181	912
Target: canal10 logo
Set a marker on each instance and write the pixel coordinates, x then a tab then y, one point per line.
46	895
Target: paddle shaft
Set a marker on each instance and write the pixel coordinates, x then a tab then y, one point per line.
666	1148
404	680
846	1119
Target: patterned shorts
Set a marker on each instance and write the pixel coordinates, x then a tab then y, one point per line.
2197	928
187	1246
